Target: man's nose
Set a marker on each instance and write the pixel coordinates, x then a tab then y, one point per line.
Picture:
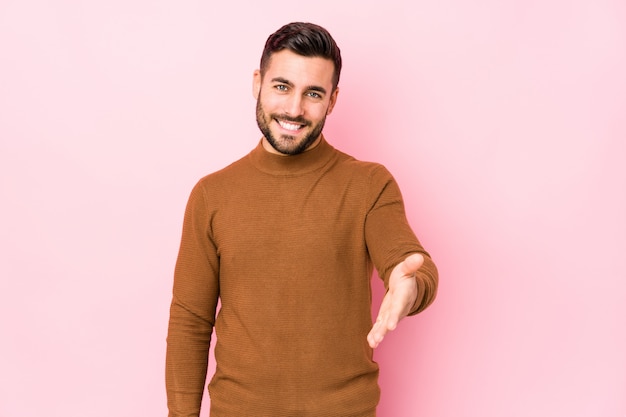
293	106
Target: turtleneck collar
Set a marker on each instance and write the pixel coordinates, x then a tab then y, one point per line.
307	161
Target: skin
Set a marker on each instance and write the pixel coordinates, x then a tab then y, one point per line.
400	297
294	96
297	92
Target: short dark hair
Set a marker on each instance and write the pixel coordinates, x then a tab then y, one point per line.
306	39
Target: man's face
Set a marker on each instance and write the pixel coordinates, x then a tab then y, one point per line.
293	99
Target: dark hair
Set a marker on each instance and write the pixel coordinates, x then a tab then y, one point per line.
306	39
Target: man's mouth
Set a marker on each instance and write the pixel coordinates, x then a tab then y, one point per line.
290	125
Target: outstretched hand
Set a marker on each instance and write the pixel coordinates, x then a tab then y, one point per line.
400	297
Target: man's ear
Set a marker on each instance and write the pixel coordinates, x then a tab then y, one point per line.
333	100
256	83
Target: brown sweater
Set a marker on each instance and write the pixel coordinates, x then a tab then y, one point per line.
287	244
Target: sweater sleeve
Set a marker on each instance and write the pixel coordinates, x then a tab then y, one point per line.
192	311
390	238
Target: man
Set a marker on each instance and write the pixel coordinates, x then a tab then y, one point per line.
286	238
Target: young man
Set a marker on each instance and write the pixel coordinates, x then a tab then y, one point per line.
286	238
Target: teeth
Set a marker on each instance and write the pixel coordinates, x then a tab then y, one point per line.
289	126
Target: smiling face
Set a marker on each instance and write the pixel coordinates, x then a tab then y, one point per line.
294	96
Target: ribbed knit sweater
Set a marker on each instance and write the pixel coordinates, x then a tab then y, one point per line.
287	244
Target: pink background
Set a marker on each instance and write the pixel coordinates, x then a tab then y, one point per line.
503	122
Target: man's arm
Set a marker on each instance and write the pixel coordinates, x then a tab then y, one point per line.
410	275
186	361
192	312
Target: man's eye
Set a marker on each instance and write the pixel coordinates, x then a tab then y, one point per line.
281	87
313	94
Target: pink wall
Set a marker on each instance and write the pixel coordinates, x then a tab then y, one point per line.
503	121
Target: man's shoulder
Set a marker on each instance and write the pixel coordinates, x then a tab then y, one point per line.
361	167
228	173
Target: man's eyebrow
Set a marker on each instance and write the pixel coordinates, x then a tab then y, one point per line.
317	88
282	81
290	84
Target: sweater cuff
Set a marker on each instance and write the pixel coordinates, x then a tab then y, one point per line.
426	291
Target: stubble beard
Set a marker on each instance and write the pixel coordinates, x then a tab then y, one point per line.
286	144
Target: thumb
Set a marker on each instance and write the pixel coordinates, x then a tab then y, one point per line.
412	263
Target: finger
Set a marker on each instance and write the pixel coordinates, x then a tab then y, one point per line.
376	335
412	263
391	311
379	329
373	339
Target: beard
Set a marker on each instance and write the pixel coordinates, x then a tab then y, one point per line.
287	144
